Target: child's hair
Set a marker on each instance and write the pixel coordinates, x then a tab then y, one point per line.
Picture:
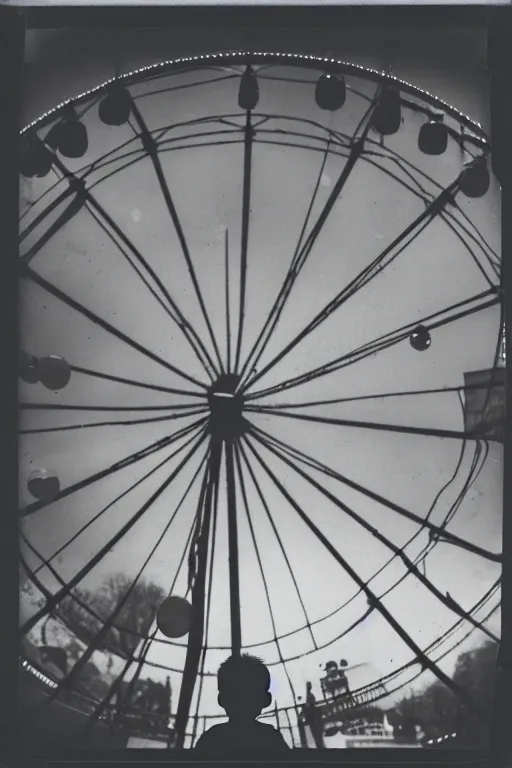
243	671
244	687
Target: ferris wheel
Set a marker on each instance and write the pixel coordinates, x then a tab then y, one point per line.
252	285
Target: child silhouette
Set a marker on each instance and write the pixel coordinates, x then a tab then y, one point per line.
243	684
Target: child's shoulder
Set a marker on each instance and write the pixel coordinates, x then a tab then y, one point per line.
266	726
270	734
212	735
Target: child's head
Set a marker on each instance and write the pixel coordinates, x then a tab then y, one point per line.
244	683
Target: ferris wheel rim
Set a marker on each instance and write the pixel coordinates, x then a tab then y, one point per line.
275	58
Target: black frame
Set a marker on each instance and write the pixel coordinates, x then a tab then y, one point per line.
12	26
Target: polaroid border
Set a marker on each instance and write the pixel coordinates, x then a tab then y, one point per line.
13	22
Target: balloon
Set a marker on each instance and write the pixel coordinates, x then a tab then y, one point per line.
54	372
433	138
249	92
115	108
43	485
330	92
28	368
420	339
174	617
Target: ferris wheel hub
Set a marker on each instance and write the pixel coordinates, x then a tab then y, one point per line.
226	409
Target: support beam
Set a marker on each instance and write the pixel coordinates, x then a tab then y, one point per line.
246	211
195	638
234	571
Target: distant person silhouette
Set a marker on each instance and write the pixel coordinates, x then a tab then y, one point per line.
312	716
243	684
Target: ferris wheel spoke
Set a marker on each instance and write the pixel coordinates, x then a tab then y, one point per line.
33	575
398	428
112	157
55	599
301	254
128	461
227	300
186	328
243	491
439	658
234	568
94	717
129	423
47	562
196	633
314	464
101	707
81	190
308	625
134	383
73	208
429	649
100	637
109	408
261	569
152	149
185	551
208	610
246	210
364	276
477	238
167	145
384	342
397	551
372	598
377	396
448	218
29	273
266	438
48	595
276	309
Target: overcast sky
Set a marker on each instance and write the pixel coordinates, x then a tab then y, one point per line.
434	272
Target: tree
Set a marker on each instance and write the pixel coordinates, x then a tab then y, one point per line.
475	671
137	614
440	712
132	623
84	625
146	706
91	682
